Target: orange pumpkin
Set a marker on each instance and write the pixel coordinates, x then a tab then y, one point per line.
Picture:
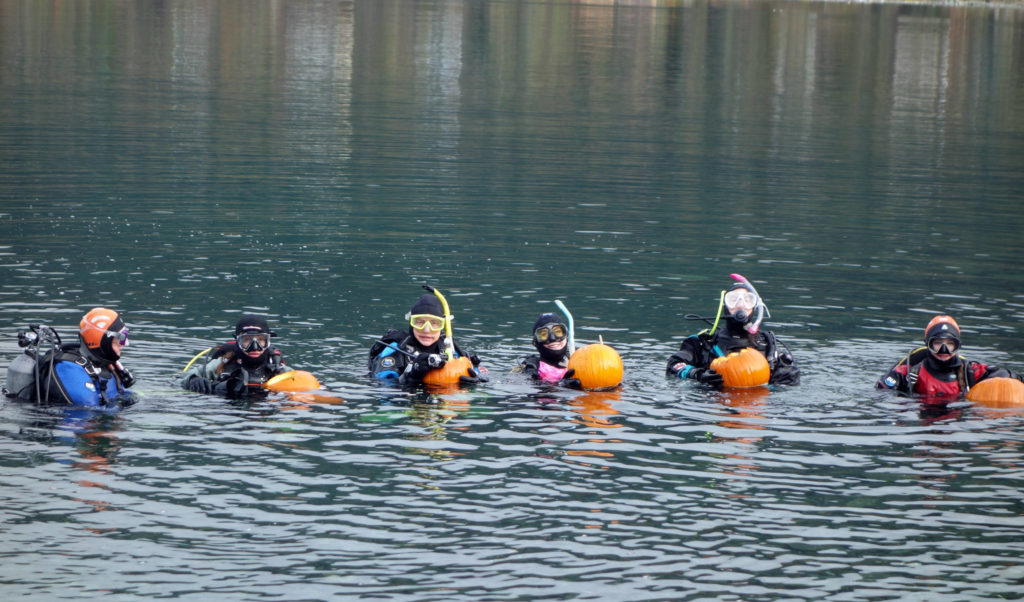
743	368
998	392
295	381
450	372
598	366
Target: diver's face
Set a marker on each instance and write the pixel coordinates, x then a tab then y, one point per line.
944	349
427	337
740	300
557	345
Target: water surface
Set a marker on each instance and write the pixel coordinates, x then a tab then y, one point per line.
318	162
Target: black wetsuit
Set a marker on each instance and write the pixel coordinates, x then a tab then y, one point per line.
699	350
394	357
233	377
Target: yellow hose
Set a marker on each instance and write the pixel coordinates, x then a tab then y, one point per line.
198	355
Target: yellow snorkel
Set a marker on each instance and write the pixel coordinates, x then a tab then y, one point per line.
718	314
449	343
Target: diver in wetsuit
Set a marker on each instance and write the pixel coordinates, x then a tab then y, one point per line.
551	339
242	365
937	370
405	357
744	311
551	362
87	373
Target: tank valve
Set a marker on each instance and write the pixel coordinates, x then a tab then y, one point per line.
26	338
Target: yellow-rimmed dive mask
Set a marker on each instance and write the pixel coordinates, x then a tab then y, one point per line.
427	322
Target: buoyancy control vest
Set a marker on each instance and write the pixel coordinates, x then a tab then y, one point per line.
964	375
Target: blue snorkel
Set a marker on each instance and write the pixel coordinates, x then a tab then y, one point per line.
568	320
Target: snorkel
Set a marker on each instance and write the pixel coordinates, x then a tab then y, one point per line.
449	343
718	314
760	311
568	320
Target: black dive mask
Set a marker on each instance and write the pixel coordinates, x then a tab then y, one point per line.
549	328
252	341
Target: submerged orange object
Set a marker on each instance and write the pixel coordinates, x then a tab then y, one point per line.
450	372
998	393
597	366
295	381
743	368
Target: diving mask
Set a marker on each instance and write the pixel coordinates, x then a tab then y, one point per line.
944	345
256	341
550	333
426	322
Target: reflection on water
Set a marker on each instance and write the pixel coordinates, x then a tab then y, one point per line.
318	162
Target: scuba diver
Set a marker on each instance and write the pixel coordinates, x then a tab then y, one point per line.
551	339
407	356
242	365
744	311
551	362
937	370
86	373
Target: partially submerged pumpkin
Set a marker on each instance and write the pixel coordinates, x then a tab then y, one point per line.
293	381
450	372
743	368
998	392
597	366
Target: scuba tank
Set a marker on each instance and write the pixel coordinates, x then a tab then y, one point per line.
24	373
21	376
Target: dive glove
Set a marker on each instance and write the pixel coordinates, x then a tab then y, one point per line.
569	381
706	376
423	363
198	384
126	378
472	377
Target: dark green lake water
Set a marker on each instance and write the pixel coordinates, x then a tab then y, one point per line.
318	162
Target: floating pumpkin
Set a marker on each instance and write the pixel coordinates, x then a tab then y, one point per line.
743	368
998	392
295	381
598	366
450	372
